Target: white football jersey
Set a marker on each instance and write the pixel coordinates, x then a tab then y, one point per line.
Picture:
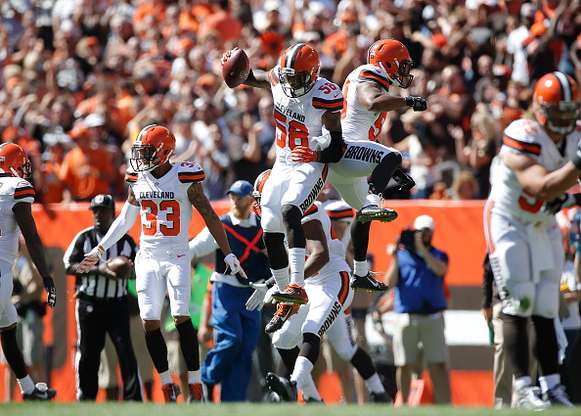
12	191
527	137
298	119
357	122
337	261
166	210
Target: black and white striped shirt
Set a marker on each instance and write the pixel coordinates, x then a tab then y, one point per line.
92	285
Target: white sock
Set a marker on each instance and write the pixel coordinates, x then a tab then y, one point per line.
194	377
550	381
310	389
374	385
360	268
521	382
303	367
26	385
372	200
296	259
165	377
281	277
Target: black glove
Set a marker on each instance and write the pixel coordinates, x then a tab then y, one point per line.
563	201
417	103
51	289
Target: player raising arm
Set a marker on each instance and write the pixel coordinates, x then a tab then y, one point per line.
16	197
164	193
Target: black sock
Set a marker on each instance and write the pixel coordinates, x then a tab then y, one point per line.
189	345
157	349
360	239
546	345
295	235
363	364
277	256
12	352
311	347
516	343
383	172
289	357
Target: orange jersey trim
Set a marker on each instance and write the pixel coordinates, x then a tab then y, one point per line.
372	76
533	148
191	177
333	105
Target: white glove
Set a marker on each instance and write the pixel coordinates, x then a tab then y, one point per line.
268	296
233	265
256	300
321	142
91	258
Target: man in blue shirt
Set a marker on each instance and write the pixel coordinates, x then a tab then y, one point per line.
417	274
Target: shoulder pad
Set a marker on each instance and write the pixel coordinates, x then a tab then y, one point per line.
525	136
189	172
327	96
371	73
273	76
23	190
130	176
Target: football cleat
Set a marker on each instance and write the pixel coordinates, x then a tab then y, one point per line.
404	181
379	397
557	396
368	283
292	294
375	213
196	393
285	389
312	400
170	392
527	397
283	312
41	392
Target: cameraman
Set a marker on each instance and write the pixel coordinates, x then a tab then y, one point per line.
417	275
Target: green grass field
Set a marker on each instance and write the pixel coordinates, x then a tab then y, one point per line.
122	409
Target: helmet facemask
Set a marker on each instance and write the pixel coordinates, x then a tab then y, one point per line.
402	77
560	118
144	158
295	84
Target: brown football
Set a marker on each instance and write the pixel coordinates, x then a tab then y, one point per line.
235	68
121	266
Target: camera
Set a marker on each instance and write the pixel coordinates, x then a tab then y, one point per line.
407	239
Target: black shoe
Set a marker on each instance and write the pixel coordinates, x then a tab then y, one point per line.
375	213
283	312
368	283
41	392
314	401
404	181
557	396
285	389
379	397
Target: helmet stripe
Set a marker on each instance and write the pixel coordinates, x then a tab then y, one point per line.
565	86
292	54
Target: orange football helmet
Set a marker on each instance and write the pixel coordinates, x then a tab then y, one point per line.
13	161
298	69
556	102
394	58
153	147
258	187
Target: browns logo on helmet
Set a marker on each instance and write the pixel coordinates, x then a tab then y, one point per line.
298	69
153	147
556	102
394	58
259	183
13	161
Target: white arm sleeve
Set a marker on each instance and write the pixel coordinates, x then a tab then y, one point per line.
121	225
202	245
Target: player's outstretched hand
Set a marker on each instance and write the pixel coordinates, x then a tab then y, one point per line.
233	266
561	202
51	289
91	258
416	103
302	154
256	300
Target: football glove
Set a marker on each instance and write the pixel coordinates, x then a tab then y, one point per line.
563	201
302	154
416	103
233	266
51	289
256	300
91	259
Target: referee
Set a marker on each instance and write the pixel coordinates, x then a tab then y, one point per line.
102	306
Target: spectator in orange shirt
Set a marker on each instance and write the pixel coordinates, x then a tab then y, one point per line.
87	170
52	187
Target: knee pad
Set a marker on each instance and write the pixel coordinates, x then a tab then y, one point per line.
311	347
291	214
292	217
274	243
383	172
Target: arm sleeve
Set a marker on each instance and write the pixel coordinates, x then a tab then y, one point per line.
121	225
334	152
202	245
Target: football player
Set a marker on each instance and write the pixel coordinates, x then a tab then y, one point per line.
327	284
539	160
307	114
362	175
164	192
16	197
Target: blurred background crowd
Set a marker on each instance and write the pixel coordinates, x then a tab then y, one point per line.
80	78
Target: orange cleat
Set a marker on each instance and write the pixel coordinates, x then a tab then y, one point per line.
283	312
292	294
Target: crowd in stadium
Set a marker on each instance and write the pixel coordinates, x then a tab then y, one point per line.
80	78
